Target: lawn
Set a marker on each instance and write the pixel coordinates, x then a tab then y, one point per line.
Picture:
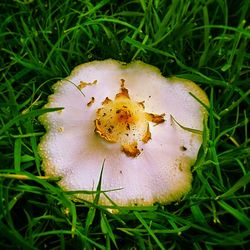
203	41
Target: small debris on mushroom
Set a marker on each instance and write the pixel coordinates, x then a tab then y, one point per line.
91	101
183	148
83	84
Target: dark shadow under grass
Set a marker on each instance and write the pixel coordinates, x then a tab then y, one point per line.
204	41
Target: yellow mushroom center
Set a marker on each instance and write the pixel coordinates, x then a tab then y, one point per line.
124	121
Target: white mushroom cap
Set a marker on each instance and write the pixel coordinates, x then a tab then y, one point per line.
153	164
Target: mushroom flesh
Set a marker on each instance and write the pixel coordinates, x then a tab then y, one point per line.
143	125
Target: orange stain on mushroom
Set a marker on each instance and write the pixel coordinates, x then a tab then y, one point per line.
124	116
106	101
83	84
124	121
131	149
155	118
142	104
123	94
147	136
102	132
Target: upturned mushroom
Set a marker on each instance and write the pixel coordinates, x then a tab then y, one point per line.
147	129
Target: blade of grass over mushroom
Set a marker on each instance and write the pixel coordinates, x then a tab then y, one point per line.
195	131
99	185
91	192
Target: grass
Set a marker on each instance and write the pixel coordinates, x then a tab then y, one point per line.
204	41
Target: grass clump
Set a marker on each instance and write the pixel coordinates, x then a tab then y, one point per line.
204	41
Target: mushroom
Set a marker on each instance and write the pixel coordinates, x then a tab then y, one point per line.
147	129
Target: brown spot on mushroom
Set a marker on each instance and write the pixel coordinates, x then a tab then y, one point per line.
131	149
60	129
125	116
124	91
180	167
147	136
123	94
98	111
183	148
84	84
101	132
122	83
110	130
91	101
106	101
155	118
142	104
